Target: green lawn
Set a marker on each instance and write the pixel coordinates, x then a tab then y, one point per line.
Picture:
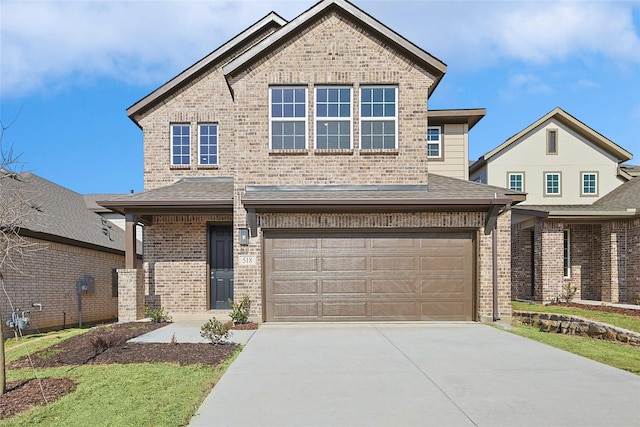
622	356
152	394
627	322
618	355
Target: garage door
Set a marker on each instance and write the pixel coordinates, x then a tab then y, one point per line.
372	276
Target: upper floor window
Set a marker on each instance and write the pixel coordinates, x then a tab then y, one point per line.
333	118
552	141
378	117
516	181
288	116
553	185
180	144
434	141
589	184
208	134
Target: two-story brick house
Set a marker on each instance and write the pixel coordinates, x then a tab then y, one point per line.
294	164
580	224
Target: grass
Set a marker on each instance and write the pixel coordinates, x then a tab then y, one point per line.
614	354
29	344
620	320
151	394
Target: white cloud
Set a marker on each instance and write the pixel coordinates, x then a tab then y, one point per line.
52	43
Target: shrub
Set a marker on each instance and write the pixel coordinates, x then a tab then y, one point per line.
568	292
157	315
215	331
102	341
240	311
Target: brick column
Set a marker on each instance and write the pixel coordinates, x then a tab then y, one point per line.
549	260
130	294
610	284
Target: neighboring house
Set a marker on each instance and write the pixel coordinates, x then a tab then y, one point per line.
295	165
114	217
69	243
575	228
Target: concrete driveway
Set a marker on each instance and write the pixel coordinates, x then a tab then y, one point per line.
460	374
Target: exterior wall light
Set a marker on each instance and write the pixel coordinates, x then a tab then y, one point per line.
243	236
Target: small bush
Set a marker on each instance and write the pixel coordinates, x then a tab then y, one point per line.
157	315
215	331
103	341
568	292
240	311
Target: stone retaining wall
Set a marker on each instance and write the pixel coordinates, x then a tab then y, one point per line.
577	326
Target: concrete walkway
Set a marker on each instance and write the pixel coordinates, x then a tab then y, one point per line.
414	375
186	329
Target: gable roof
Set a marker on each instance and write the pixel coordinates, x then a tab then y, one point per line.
567	119
291	29
271	20
58	214
91	201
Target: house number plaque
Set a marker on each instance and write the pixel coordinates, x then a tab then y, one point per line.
247	260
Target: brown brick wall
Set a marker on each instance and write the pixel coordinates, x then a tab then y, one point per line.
206	99
330	51
49	277
633	261
176	264
521	263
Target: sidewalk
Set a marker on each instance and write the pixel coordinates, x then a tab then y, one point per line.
607	304
186	329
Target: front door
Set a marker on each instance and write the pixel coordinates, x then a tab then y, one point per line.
221	261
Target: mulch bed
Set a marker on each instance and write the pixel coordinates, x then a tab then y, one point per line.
606	308
103	345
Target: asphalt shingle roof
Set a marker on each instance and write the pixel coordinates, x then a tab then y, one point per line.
626	196
53	210
185	191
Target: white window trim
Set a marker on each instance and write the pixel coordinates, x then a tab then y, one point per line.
331	119
582	176
171	126
559	193
217	144
510	174
382	119
291	119
566	260
439	142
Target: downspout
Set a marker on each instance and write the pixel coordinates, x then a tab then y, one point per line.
494	255
491	227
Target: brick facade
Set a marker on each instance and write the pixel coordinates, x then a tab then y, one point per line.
49	277
330	50
604	260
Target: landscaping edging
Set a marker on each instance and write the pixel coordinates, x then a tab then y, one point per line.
572	325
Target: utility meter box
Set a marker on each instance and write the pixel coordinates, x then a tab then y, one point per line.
86	285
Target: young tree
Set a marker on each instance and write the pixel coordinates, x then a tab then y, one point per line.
14	211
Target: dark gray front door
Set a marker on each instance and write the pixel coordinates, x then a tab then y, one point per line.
221	258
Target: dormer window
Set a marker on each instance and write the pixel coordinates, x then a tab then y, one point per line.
288	117
552	141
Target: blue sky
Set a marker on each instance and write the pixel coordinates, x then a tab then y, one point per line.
69	69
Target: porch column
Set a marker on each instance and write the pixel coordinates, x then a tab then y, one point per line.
130	241
130	294
610	289
549	260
